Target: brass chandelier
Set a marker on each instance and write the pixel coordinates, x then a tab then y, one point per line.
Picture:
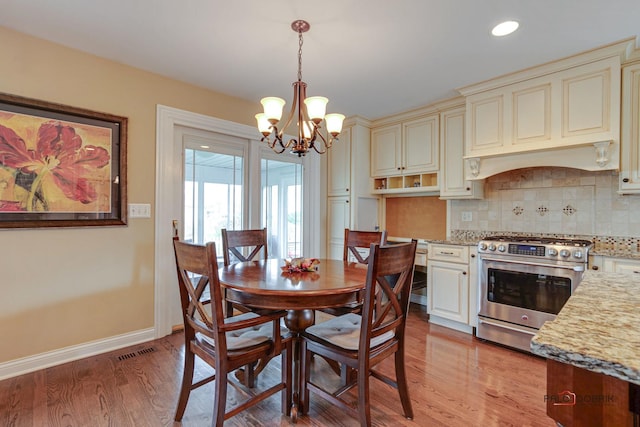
308	112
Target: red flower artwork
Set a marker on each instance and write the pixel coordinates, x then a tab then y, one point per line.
59	157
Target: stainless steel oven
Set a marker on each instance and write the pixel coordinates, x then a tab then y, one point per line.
525	282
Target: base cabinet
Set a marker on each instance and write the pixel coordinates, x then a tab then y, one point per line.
448	290
621	265
610	264
450	277
577	397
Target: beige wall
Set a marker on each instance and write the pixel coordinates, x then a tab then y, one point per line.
63	287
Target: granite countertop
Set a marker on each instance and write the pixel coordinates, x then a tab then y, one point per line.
598	329
426	241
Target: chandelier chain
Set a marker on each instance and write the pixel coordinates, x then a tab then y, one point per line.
300	41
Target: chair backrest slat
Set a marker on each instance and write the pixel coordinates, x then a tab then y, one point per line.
235	242
198	271
388	290
354	239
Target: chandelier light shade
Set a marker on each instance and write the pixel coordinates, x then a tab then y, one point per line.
308	114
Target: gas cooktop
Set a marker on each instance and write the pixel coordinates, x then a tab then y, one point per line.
539	240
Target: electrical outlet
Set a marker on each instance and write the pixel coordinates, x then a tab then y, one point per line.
139	210
467	216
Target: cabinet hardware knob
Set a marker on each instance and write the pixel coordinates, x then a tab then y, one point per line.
625	179
468	188
347	189
473	255
464	272
595	267
346	201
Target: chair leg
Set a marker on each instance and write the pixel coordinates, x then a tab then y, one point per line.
187	381
220	397
364	410
403	386
285	368
250	375
305	376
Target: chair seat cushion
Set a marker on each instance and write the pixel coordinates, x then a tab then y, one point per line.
247	337
344	331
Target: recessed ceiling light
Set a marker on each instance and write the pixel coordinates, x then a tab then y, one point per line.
505	28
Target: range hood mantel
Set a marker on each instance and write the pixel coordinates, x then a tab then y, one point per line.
597	156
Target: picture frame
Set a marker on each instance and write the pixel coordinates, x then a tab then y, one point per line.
61	166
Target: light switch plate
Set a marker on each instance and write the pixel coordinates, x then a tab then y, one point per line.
467	216
139	210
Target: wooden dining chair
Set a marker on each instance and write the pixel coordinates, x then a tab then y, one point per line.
362	341
354	239
241	246
244	245
226	344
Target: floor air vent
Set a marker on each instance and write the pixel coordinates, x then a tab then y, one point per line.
137	353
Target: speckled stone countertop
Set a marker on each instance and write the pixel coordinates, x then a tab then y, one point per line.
598	329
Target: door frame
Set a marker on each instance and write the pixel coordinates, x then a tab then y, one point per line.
168	203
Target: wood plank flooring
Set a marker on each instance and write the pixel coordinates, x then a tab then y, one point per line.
456	380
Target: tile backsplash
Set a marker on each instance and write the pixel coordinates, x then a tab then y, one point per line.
550	200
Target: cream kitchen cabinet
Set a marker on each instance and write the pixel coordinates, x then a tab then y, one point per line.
453	184
630	143
621	265
338	218
405	155
339	167
610	264
350	203
448	286
562	113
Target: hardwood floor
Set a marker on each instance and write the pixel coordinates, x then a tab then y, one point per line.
456	380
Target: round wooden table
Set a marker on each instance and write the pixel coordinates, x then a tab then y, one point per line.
263	284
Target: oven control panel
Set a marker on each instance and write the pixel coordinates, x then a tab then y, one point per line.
554	250
531	250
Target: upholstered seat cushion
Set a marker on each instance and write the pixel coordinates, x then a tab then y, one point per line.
247	337
344	331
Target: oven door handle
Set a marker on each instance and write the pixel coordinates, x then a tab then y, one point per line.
502	325
537	264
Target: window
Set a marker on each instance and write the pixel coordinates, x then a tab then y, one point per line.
281	183
220	191
214	190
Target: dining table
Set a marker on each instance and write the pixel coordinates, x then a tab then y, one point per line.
264	284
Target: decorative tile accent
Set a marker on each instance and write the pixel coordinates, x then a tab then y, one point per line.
518	210
569	210
542	210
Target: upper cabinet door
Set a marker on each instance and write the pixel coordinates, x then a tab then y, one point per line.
421	145
576	106
453	184
630	162
339	161
386	151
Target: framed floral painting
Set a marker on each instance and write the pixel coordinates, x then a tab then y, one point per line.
60	166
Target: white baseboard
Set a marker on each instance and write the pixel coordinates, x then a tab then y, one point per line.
28	364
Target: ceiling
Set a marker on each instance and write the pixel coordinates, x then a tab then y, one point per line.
370	58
